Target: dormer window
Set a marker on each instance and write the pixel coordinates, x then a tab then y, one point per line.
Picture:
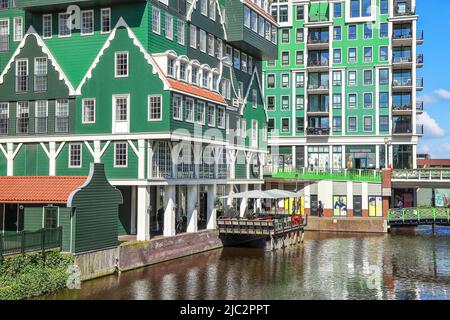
205	79
171	68
194	75
215	82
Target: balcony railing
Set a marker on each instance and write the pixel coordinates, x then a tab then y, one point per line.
311	131
404	11
402	129
419	105
402	59
402	34
419	59
420	36
330	174
402	107
317	17
318	108
402	82
419	82
420	129
319	86
318	63
316	40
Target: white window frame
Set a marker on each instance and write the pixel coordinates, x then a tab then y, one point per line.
281	125
43	26
177	96
156	26
364	100
213	120
83	121
59	26
244	128
254	98
36	61
193	36
356	100
102	12
364	123
356	55
191	117
221	121
70	156
348	122
115	64
36	105
202	121
84	33
181	32
115	155
27	74
364	54
18	37
168	26
149	106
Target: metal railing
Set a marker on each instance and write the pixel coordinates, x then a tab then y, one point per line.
26	241
318	40
331	174
420	36
402	34
420	129
402	107
319	86
317	17
311	131
318	108
422	174
425	215
318	63
404	11
419	82
419	105
419	58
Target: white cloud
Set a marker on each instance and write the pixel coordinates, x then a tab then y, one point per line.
443	94
427	99
430	125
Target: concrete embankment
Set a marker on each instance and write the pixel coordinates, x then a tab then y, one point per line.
338	224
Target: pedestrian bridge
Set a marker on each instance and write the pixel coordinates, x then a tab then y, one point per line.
422	178
419	216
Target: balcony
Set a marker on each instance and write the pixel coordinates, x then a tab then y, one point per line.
402	37
404	11
419	60
318	88
401	61
402	129
318	65
319	40
420	38
419	84
311	131
318	109
400	109
419	107
402	83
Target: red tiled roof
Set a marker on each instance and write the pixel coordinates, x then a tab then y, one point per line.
38	189
196	91
261	11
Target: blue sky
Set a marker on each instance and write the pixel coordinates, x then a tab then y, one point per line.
435	21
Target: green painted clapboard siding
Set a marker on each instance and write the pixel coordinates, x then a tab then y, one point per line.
10	14
130	172
62	162
31	160
139	72
96	214
3	165
33	218
124	221
75	54
240	171
64	222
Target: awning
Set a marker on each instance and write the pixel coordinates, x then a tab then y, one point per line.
258	194
38	189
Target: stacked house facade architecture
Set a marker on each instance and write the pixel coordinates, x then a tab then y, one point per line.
167	94
342	95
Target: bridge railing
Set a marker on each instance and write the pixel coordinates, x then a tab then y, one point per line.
330	174
422	174
418	215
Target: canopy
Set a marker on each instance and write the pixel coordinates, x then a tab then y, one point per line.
258	194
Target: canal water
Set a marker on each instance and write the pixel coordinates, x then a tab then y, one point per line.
414	265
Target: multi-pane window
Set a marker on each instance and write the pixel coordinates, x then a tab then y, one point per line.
384	30
384	123
271	125
368	124
368	30
271	103
87	22
368	75
337	56
352	100
194	75
285	35
204	7
4	117
352	81
40	74
285	125
368	54
183	73
65	25
211	44
4	35
337	33
300	35
285	103
23	117
299	58
200	112
384	99
384	7
254	98
236	59
121	108
299	79
121	68
202	40
250	64
177	107
299	102
283	14
211	115
171	67
337	101
212	9
181	32
337	10
352	55
352	124
47	26
254	133
221	117
300	124
384	76
189	110
4	4
18	28
246	17
384	56
154	108
300	12
244	62
337	124
22	75
360	8
285	80
62	116
205	79
368	100
120	154
193	36
105	20
352	32
169	27
88	111
337	78
41	115
156	20
50	217
285	58
75	155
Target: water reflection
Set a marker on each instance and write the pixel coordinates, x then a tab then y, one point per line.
326	266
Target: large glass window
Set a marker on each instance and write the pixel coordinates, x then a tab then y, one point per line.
403	156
